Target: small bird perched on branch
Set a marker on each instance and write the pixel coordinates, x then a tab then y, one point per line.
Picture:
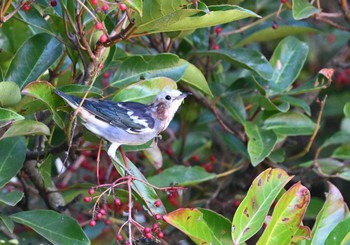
126	123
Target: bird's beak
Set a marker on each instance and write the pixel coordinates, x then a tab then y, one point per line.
183	95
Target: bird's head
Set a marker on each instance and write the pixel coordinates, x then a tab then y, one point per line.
166	103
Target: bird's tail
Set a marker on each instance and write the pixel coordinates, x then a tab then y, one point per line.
73	101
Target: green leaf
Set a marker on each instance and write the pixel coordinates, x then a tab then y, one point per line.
9	94
56	228
287	216
261	142
181	175
301	103
43	91
287	61
9	115
26	127
36	55
235	106
340	137
246	58
251	213
290	123
35	21
265	32
138	67
45	170
340	234
7	222
166	16
13	153
145	90
342	152
135	5
302	9
201	225
347	110
195	78
80	90
331	214
11	198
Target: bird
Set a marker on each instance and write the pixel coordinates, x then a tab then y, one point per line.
126	123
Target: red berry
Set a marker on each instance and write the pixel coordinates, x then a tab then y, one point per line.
160	234
106	75
26	6
92	223
169	151
94	2
155	227
216	47
107	221
274	25
212	158
122	7
236	203
102	211
87	199
208	167
284	1
98	216
148	235
331	38
53	3
157	216
99	26
119	237
91	191
103	38
195	158
157	203
218	30
117	202
147	230
105	7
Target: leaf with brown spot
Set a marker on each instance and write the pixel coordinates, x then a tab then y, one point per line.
252	211
287	216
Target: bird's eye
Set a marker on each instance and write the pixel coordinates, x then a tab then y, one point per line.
168	97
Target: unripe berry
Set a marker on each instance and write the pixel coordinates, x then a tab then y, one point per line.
157	203
122	7
160	234
103	38
92	223
87	199
99	26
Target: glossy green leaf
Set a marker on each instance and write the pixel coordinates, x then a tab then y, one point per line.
9	94
36	55
135	5
269	105
290	123
251	213
235	106
261	142
181	175
13	153
43	91
340	137
195	78
287	61
201	225
9	115
265	32
145	90
347	110
300	103
7	222
287	216
332	213
55	227
147	195
249	59
342	152
11	198
35	21
45	170
340	234
26	127
136	68
303	9
166	16
80	90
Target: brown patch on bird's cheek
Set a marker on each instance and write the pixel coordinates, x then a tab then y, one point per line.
161	112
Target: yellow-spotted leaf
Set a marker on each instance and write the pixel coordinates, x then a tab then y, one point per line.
254	208
287	216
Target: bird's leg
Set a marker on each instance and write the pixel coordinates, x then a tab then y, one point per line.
124	158
112	154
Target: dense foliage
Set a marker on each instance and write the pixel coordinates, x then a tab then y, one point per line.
248	156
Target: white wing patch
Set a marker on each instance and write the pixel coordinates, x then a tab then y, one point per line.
139	121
